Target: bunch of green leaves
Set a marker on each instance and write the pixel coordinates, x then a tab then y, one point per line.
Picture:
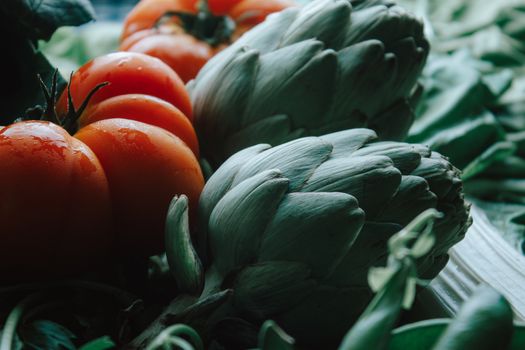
473	106
24	23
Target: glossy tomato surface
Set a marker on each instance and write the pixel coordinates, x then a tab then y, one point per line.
146	167
127	73
146	109
182	52
55	204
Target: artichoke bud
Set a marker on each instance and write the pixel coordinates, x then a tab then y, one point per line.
311	70
294	228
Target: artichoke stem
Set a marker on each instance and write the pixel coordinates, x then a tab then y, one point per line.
212	282
177	306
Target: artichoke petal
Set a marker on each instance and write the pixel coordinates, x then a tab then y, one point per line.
323	19
271	130
406	157
300	57
310	227
219	184
235	79
296	160
373	180
236	238
266	288
182	259
346	142
412	195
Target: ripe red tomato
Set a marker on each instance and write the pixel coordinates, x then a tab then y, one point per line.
147	12
146	109
127	73
55	205
187	49
145	166
182	52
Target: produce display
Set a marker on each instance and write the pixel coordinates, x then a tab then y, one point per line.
242	174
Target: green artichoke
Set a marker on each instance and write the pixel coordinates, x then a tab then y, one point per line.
294	229
326	67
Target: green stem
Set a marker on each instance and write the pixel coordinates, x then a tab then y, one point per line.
202	6
212	282
177	306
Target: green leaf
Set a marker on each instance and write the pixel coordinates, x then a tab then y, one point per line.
23	23
39	19
101	343
46	335
483	322
21	89
494	153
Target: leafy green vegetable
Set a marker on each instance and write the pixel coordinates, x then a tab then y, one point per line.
483	322
39	19
23	23
102	343
473	106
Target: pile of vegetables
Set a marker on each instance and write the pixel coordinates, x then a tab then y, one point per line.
213	185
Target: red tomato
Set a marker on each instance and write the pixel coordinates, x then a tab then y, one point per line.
222	7
253	12
146	109
147	12
127	73
145	167
183	53
55	205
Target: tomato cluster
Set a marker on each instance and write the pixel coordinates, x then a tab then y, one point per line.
196	34
69	202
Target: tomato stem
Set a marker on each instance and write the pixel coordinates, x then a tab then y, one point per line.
50	113
70	120
203	25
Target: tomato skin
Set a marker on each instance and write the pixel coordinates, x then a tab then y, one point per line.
187	55
252	12
127	73
146	13
222	7
146	109
146	166
183	53
137	36
55	206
